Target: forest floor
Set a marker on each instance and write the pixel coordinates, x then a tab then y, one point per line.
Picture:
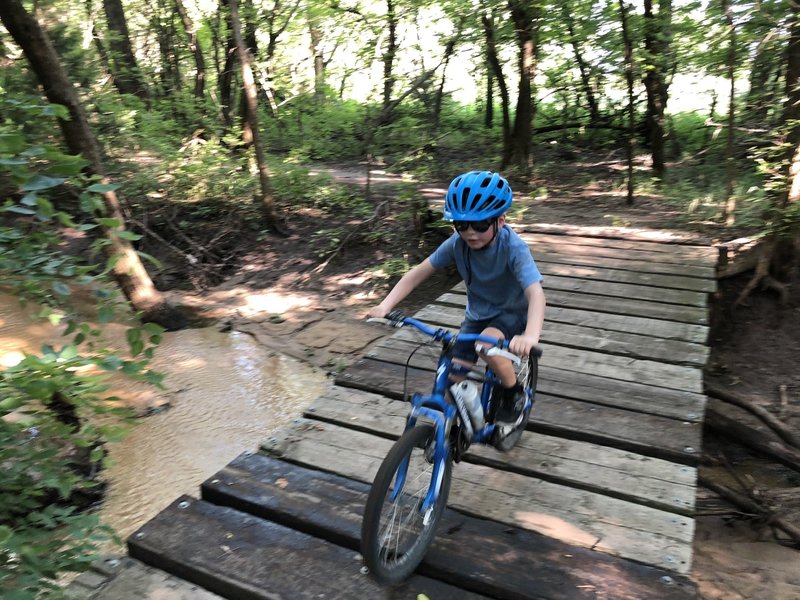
310	304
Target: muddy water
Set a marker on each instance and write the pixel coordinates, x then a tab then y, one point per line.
225	395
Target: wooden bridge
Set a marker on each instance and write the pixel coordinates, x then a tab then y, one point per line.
595	502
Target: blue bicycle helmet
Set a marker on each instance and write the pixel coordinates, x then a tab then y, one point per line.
477	195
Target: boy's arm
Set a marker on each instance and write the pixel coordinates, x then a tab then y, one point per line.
521	344
403	288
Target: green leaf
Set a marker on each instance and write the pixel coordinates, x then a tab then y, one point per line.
112	262
129	235
151	259
29	199
153	328
105	314
134	337
65	219
68	352
42	182
100	188
109	222
57	110
20	210
11	143
61	288
9	404
5	534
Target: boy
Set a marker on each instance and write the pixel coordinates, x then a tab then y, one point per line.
504	290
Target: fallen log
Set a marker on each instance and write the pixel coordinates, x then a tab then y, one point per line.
770	420
752	438
751	506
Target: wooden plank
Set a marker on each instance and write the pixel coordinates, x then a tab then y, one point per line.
636	307
479	555
573	516
241	556
640	370
616	259
601	273
649	435
626	344
632	477
621	290
680	253
659	328
630	395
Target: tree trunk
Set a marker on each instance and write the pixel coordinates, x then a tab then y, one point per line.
628	58
127	76
128	269
389	54
318	57
488	116
526	23
161	23
730	158
97	40
227	94
497	69
448	54
657	33
251	94
197	53
787	245
586	82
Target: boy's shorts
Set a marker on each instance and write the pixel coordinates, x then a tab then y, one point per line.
509	324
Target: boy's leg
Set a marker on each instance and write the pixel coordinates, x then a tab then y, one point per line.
509	399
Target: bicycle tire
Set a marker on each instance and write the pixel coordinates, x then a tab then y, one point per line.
527	377
391	563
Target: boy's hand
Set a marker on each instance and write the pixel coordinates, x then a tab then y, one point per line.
377	312
521	344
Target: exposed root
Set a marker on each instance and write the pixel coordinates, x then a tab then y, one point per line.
763	278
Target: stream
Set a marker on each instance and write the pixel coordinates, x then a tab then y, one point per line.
225	395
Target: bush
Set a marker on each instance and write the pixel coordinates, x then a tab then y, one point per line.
54	413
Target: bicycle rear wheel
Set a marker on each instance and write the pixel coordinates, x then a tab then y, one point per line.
527	377
395	534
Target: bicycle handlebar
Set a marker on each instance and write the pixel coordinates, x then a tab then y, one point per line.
397	319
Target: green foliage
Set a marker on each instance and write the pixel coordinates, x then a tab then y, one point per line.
55	414
313	130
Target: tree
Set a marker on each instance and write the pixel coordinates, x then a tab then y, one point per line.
657	28
526	19
628	46
197	53
251	94
496	70
129	272
127	76
781	250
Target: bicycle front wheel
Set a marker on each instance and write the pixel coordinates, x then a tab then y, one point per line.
395	533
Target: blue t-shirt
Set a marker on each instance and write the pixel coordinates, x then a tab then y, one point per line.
496	276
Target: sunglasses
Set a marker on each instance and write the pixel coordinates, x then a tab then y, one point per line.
477	226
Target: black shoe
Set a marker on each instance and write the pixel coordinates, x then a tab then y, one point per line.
511	403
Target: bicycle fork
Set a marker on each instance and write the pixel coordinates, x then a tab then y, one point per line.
442	422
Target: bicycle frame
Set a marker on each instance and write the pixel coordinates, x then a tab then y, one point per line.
436	408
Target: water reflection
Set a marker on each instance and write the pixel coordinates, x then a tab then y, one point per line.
226	395
229	395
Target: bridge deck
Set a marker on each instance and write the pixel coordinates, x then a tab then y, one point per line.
597	498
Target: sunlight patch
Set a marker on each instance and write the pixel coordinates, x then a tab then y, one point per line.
273	303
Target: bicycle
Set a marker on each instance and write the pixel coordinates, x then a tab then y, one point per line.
409	493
